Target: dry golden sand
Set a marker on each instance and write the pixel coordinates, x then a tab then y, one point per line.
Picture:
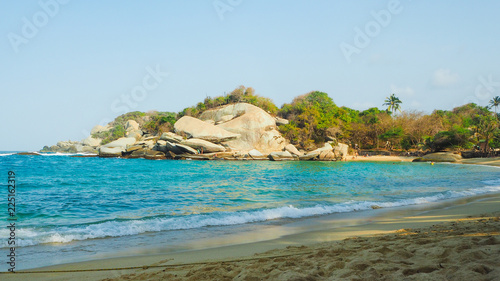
468	249
381	158
494	161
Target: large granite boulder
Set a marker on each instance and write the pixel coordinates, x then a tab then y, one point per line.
173	148
280	156
195	128
154	155
203	145
110	151
149	144
161	145
171	137
255	153
225	118
69	143
147	154
257	129
186	149
325	153
131	125
54	148
312	155
281	121
99	129
129	151
341	149
121	143
136	152
93	142
85	149
439	157
70	149
134	134
293	150
64	147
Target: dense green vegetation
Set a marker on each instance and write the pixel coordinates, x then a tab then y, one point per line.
314	118
160	122
240	94
153	122
118	127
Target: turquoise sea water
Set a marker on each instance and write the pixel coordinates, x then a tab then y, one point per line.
69	207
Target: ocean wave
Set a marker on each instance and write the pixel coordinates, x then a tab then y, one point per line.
7	154
34	236
495	182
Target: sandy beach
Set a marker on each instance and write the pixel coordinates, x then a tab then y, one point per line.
494	161
457	240
380	158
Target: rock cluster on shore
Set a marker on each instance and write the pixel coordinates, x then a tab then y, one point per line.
238	131
439	157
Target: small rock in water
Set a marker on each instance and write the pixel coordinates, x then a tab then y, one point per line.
27	153
376	207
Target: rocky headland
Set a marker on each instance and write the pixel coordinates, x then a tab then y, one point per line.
238	131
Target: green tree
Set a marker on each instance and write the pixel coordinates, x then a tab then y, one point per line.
394	135
488	125
373	118
393	103
160	122
240	94
495	102
457	137
313	117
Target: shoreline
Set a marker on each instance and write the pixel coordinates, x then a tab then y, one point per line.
397	218
491	161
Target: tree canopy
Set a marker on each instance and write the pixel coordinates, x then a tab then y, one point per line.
315	118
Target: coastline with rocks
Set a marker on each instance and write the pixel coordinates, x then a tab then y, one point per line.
238	131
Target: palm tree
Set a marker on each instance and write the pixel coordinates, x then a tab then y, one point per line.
495	102
393	103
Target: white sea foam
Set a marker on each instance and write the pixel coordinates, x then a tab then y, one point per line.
495	182
6	154
30	236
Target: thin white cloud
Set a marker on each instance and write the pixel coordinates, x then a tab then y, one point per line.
402	91
443	78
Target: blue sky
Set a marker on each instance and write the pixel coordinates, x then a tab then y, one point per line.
67	65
